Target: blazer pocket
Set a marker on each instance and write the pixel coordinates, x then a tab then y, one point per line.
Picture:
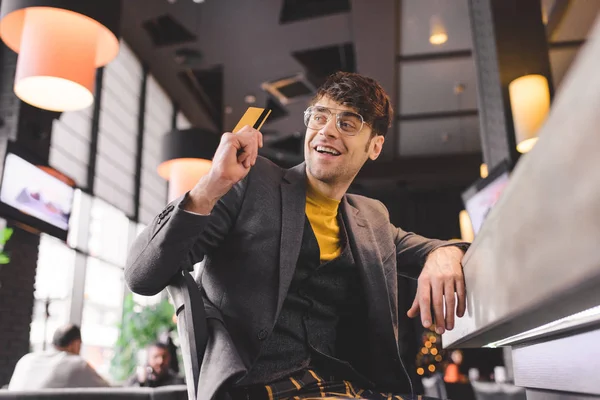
389	267
212	311
390	255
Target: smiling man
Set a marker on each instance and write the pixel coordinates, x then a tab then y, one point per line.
300	279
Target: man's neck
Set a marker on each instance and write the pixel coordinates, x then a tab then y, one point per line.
335	192
65	349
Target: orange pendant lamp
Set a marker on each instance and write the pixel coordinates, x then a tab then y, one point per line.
186	157
60	45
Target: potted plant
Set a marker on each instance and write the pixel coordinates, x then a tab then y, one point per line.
5	235
140	327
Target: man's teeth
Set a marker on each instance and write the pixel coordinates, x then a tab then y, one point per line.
323	149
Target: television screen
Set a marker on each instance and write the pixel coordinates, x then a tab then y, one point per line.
35	197
481	197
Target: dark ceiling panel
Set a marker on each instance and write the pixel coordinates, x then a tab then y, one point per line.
277	110
321	62
207	87
187	56
164	30
295	89
296	10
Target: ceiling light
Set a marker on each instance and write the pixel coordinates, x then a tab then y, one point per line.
60	45
529	102
186	157
438	34
483	171
466	227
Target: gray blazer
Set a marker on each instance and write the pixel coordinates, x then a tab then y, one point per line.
251	241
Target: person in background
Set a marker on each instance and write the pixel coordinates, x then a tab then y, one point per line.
452	373
59	367
156	372
165	337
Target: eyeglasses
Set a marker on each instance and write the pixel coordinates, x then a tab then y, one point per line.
347	122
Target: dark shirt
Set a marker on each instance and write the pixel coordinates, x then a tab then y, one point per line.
169	378
307	333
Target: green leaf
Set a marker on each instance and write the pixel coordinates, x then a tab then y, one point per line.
7	234
136	331
4	258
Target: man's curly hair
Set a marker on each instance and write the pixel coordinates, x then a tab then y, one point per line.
363	94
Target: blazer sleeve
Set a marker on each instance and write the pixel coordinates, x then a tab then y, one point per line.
412	250
178	239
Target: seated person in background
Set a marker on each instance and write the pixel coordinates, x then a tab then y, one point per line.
157	372
452	373
59	367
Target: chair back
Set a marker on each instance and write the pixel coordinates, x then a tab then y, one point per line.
186	296
497	391
434	386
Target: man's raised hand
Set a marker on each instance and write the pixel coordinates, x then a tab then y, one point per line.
233	159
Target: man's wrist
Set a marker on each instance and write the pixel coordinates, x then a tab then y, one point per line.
456	249
461	246
203	197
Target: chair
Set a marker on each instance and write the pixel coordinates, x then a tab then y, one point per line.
434	386
186	296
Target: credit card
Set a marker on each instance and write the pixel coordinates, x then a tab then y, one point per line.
254	116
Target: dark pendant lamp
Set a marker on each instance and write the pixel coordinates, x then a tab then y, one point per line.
186	157
60	45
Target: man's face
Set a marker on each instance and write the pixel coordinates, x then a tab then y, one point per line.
159	360
351	152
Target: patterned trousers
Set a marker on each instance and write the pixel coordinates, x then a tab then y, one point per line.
309	385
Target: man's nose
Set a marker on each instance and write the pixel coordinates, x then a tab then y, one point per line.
330	128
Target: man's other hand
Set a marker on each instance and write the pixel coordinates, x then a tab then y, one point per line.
441	278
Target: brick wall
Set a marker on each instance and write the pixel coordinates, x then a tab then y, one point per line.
16	299
18	277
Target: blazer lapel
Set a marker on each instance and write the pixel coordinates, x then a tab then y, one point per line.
293	204
370	265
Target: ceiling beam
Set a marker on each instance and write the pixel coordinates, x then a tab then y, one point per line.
567	44
438	115
555	17
459	169
443	55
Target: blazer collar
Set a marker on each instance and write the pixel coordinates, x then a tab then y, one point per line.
352	212
380	292
293	205
296	174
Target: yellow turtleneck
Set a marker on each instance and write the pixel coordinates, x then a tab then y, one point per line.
322	215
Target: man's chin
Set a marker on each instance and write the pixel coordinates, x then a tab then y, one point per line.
322	174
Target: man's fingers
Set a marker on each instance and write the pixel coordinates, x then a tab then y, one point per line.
462	297
242	156
424	294
248	139
414	309
450	303
437	295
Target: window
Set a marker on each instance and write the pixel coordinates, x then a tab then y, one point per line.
78	223
102	310
53	289
109	233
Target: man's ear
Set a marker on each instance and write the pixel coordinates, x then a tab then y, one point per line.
376	147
